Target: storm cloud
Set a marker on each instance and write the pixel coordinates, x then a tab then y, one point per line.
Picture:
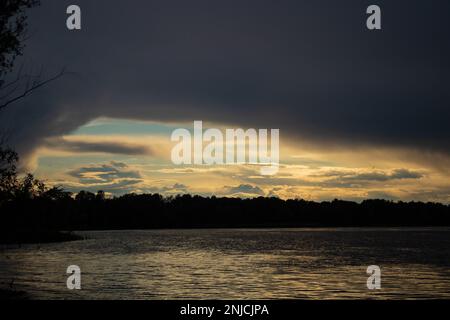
100	146
309	68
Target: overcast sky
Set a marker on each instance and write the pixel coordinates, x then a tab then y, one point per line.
309	68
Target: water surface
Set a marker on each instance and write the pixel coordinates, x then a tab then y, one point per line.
236	264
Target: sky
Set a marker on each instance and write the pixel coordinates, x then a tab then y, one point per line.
362	114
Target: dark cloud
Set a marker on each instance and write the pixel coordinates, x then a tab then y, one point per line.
243	189
118	164
336	179
101	146
114	177
405	174
116	187
373	176
381	195
310	68
177	188
346	180
438	194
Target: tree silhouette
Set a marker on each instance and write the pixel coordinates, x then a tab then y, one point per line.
85	196
13	24
8	173
13	27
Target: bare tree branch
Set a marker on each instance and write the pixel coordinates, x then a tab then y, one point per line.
30	86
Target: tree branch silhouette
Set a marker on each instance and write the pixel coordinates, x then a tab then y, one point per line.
30	86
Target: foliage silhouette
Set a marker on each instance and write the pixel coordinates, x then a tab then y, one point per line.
27	207
13	23
13	31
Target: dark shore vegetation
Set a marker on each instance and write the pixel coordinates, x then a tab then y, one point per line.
33	213
23	236
148	211
6	294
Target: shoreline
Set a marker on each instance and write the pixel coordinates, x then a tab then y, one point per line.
41	237
36	237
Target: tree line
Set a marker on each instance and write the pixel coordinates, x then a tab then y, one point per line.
28	204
